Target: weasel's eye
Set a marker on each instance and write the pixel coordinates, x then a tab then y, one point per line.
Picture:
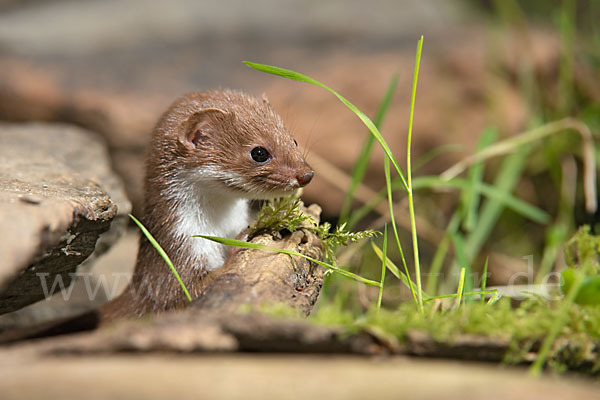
296	143
260	154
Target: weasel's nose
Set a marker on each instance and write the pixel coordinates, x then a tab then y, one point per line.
305	178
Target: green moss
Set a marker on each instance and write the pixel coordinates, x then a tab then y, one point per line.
523	327
582	251
278	215
285	214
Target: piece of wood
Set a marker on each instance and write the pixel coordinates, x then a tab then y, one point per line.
256	277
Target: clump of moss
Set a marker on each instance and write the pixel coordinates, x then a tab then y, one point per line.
582	256
285	214
583	251
280	214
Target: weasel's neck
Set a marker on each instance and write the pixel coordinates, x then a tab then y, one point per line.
202	211
173	214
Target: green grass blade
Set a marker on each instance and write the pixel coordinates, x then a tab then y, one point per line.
360	166
431	182
495	297
162	254
557	233
296	76
412	108
465	294
509	173
388	185
470	198
484	278
380	297
492	192
257	246
461	259
506	199
390	265
461	287
519	206
556	236
394	269
411	205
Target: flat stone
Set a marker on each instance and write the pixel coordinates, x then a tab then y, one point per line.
57	195
99	280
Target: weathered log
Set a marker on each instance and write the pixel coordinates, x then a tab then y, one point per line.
190	332
462	347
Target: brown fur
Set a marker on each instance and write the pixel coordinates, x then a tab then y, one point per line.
202	129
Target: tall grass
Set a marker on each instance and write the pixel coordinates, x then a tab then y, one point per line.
406	182
477	216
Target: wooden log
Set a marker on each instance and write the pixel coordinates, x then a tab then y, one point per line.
255	277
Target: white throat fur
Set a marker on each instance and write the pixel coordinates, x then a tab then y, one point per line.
203	209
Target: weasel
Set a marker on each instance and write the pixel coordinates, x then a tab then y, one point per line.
209	155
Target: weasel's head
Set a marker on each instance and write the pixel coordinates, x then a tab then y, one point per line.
231	141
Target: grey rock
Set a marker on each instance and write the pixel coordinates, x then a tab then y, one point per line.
57	195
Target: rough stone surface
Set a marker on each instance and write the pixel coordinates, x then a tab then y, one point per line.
55	201
100	279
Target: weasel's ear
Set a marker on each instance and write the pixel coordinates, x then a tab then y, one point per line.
195	129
